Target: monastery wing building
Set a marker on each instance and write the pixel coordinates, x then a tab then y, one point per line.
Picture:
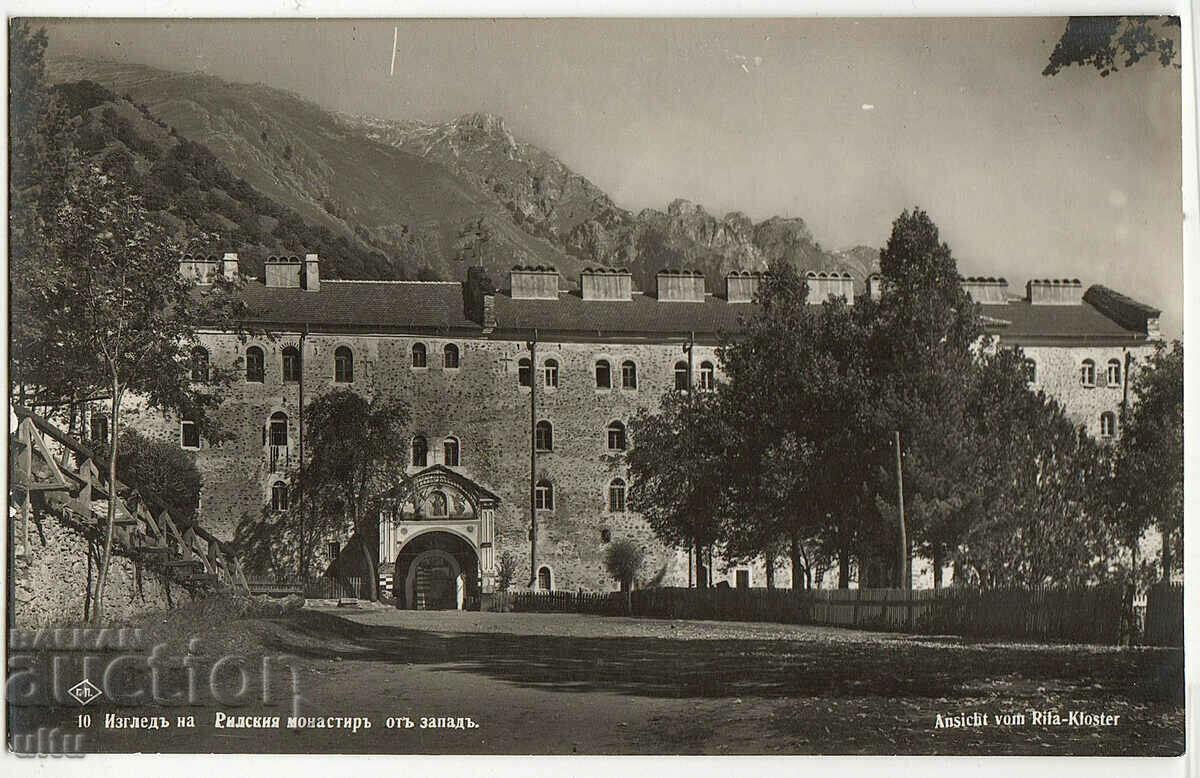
542	377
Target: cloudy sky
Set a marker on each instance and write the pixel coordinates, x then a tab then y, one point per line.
842	122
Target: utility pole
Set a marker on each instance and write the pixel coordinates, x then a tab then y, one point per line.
687	347
533	565
905	568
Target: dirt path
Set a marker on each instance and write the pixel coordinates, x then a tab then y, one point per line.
565	683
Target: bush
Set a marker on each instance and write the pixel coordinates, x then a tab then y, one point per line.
623	560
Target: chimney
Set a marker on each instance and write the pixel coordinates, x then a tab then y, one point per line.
606	283
229	266
986	290
1054	291
533	282
312	272
282	272
1127	312
479	298
685	286
824	286
198	269
875	286
741	286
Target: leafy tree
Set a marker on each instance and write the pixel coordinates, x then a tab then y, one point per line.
1027	516
114	315
925	339
358	452
623	559
506	571
157	467
676	470
1147	478
794	395
1101	41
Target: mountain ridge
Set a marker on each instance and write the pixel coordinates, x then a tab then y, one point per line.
451	194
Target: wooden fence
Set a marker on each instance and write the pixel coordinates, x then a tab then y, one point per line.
311	589
1164	615
1082	615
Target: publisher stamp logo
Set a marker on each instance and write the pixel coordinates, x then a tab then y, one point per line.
84	692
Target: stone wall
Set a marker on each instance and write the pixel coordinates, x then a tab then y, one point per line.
481	404
54	574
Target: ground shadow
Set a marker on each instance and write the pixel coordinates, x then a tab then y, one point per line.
769	668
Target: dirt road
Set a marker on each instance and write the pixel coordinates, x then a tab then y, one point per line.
565	683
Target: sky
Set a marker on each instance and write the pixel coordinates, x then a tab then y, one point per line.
844	123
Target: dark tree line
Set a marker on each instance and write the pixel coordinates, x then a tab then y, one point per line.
793	455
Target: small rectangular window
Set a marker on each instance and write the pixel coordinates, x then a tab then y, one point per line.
189	434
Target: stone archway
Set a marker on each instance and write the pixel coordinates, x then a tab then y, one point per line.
437	570
433	582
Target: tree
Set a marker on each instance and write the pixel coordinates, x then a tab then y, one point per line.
358	452
623	560
1100	41
676	470
159	468
925	340
793	399
1027	516
114	314
1148	470
506	571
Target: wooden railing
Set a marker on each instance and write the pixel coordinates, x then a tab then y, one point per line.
50	470
311	589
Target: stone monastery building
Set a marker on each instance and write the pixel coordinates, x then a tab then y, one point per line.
537	376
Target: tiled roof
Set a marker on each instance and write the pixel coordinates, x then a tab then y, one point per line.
640	316
437	307
1019	321
362	305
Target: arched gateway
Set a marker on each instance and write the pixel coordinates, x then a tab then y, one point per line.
437	535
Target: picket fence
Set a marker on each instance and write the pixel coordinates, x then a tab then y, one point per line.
1097	614
311	589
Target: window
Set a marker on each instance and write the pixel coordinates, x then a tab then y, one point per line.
681	376
1087	373
1113	374
189	434
343	365
1030	371
544	579
543	436
707	376
603	374
742	577
291	364
616	436
543	496
279	496
1108	424
418	355
439	505
450	357
100	427
199	365
524	373
628	375
254	365
616	496
550	372
450	452
279	429
420	451
605	535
